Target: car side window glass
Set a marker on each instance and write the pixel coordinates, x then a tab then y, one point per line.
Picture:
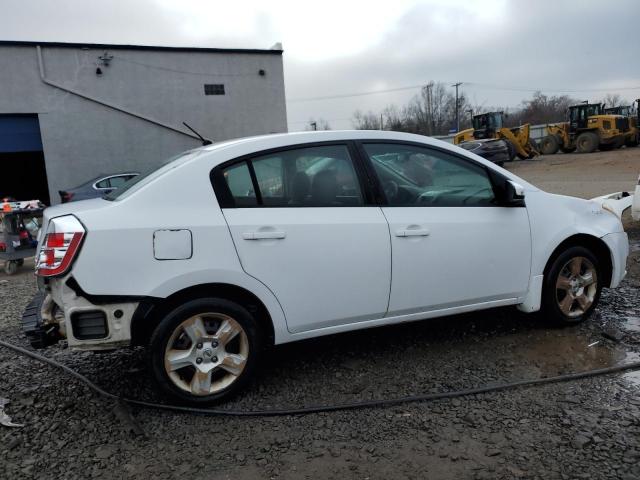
270	175
115	182
103	183
417	176
320	176
240	185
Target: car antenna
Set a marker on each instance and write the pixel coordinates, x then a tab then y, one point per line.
204	140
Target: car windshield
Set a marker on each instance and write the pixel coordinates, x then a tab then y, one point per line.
151	174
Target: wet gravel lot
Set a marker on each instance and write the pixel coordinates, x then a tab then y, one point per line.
584	429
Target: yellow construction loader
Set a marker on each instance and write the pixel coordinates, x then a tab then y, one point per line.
490	125
587	129
632	136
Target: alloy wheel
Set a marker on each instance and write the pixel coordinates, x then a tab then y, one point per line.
206	353
576	287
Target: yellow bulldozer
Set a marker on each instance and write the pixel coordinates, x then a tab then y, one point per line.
490	125
632	137
587	129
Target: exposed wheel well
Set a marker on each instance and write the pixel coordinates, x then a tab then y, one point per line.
150	312
597	246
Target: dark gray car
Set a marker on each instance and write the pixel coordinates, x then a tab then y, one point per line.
494	150
96	187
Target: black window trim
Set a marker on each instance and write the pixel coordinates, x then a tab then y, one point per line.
496	178
226	200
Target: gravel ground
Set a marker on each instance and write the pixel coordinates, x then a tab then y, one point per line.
584	429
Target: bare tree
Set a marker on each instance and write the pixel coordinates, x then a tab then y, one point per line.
393	119
366	121
542	108
613	100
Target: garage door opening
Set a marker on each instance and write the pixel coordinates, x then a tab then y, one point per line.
23	173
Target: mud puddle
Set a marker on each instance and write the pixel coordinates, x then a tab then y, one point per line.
559	352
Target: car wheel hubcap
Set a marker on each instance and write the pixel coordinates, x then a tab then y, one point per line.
576	286
206	353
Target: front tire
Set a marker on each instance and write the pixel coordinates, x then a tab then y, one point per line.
587	142
549	145
572	287
205	351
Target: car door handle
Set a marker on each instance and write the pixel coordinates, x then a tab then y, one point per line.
264	235
413	232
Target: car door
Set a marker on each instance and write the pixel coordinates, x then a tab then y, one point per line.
302	225
451	244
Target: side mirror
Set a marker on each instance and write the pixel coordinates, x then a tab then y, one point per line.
513	194
508	193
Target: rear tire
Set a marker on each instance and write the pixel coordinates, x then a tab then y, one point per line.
549	145
587	142
572	286
10	267
205	351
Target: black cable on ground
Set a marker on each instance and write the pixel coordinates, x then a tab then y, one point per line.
325	408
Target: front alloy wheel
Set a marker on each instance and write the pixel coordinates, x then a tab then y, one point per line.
572	286
205	350
576	287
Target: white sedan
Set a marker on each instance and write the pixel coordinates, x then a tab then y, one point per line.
232	247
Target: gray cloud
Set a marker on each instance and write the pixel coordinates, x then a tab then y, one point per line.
571	44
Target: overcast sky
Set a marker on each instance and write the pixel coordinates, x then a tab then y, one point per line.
501	50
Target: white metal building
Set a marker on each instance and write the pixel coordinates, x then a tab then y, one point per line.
70	111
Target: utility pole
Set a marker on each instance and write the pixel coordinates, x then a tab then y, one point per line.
457	107
429	109
381	124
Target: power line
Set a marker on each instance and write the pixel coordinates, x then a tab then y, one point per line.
319	118
357	94
474	84
554	90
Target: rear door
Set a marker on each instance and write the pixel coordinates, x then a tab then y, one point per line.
452	246
303	225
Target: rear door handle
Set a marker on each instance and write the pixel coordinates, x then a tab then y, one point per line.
266	235
413	232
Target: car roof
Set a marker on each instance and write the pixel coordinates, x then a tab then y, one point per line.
248	145
318	136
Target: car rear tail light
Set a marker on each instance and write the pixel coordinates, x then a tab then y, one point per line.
3	247
59	246
65	196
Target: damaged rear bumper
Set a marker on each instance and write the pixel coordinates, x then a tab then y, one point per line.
59	312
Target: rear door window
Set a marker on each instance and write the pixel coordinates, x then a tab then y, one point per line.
318	176
240	185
